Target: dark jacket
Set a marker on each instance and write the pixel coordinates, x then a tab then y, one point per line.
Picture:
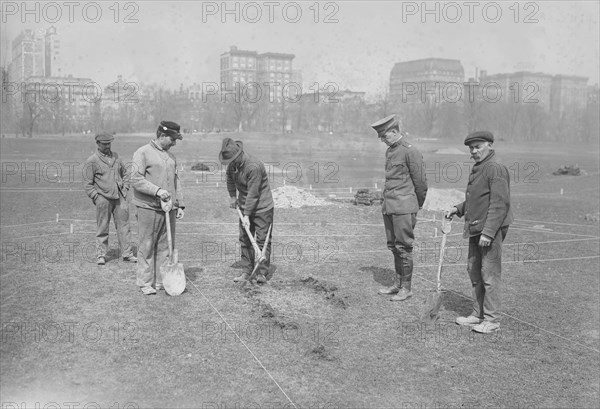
106	176
252	182
487	201
405	179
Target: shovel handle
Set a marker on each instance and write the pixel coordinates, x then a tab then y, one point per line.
169	238
439	271
254	245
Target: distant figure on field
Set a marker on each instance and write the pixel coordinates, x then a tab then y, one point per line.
403	196
106	183
487	214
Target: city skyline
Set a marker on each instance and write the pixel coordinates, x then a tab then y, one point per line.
357	52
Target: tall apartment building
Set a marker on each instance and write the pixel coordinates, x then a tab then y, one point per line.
434	79
239	67
53	66
28	56
270	73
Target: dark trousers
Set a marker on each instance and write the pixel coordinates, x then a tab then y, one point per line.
484	267
399	231
259	224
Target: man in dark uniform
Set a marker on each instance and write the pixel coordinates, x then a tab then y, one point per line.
487	213
403	196
246	176
106	183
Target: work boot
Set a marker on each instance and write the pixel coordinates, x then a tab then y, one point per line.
101	261
469	321
148	290
130	259
486	327
261	279
242	277
404	292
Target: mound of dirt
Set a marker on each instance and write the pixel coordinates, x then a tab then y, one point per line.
442	199
291	197
328	289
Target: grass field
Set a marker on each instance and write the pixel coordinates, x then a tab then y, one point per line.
318	335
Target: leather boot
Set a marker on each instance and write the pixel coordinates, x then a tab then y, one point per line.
404	293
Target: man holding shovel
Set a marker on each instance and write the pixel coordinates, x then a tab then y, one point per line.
404	194
487	215
249	190
154	179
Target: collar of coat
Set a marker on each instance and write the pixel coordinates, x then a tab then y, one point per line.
156	145
485	160
109	160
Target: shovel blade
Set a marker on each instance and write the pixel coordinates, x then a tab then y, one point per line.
173	277
432	308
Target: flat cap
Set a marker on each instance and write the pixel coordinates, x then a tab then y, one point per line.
230	150
104	137
385	124
485	136
169	128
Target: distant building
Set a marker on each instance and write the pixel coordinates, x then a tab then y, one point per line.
569	93
53	63
238	67
27	56
429	79
554	94
262	79
328	110
517	87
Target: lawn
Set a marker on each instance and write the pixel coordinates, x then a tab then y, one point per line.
317	335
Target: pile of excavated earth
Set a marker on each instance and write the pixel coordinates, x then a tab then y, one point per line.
292	197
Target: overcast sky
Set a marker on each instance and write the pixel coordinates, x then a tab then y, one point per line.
180	42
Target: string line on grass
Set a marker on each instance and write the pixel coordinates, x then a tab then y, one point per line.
555	232
547	222
515	318
243	343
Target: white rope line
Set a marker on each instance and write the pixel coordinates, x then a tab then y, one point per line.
5	189
242	341
515	318
555	232
276	259
547	222
26	224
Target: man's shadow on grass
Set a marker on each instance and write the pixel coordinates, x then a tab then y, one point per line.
192	273
383	276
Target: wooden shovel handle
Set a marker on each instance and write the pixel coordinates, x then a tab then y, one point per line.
254	245
169	238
